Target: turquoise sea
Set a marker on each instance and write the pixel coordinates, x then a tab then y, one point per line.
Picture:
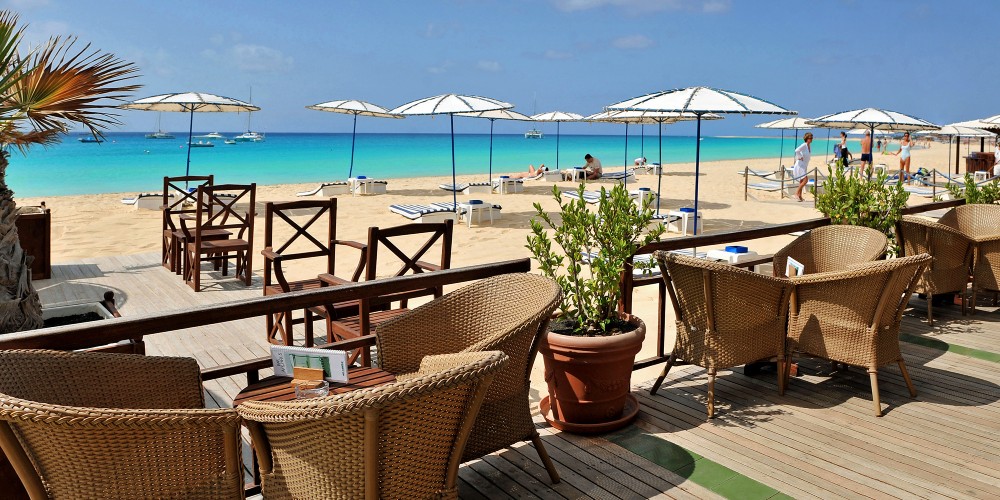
128	162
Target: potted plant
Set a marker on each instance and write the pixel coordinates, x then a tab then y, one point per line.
864	200
590	347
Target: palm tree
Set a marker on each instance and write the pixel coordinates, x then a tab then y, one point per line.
42	94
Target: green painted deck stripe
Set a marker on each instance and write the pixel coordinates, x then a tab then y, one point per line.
956	349
692	466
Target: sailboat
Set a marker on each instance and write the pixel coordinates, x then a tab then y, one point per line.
249	136
534	133
159	134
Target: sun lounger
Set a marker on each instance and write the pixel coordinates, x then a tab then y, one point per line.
145	201
628	175
641	263
423	213
468	187
592	197
328	189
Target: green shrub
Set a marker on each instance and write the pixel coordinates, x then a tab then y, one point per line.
612	234
863	201
988	193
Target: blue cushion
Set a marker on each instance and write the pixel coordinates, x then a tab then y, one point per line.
736	249
475	202
361	177
505	177
686	210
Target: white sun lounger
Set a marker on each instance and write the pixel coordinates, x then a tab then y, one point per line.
591	197
328	189
423	213
145	201
468	187
641	262
628	175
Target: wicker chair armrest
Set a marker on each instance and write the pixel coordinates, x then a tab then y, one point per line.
980	239
442	362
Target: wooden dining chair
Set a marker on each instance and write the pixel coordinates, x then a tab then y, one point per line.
217	209
280	218
180	201
390	241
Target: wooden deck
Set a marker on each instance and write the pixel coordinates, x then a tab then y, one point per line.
820	440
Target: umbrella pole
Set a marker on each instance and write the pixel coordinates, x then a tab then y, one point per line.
626	153
557	145
454	194
642	140
491	150
958	150
187	169
781	152
659	178
697	165
949	155
354	137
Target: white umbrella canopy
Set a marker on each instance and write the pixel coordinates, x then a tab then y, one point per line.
700	101
451	104
992	122
795	123
558	117
876	132
960	130
492	116
354	107
873	118
190	102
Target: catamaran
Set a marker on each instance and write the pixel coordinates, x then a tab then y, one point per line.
249	136
159	134
533	134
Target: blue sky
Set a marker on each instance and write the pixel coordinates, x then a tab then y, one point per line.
925	58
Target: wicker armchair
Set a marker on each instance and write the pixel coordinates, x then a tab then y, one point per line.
97	425
401	440
981	224
832	248
951	250
726	316
852	317
507	313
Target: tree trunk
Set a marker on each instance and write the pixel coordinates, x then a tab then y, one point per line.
20	308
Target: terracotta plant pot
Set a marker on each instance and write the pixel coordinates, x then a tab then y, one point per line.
589	379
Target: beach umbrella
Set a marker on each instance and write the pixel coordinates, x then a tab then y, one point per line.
658	118
492	116
795	123
700	101
873	119
957	130
451	105
558	117
190	102
352	107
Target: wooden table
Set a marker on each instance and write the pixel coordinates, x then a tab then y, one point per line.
275	388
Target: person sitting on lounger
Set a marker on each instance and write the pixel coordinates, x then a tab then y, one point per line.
532	172
593	168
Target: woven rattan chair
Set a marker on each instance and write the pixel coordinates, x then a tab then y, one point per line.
852	317
832	248
507	313
97	425
951	250
726	317
401	440
981	224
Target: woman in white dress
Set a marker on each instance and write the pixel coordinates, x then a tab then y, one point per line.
803	154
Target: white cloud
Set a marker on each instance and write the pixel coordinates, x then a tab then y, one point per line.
251	58
441	68
557	55
641	6
491	66
633	42
257	58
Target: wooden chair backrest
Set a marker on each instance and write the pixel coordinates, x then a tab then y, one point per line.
388	239
275	213
179	199
215	211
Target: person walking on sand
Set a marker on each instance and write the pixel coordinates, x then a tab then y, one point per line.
803	154
844	153
904	157
866	152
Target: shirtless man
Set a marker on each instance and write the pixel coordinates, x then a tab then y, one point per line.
866	153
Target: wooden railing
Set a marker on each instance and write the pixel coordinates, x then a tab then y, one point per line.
630	281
